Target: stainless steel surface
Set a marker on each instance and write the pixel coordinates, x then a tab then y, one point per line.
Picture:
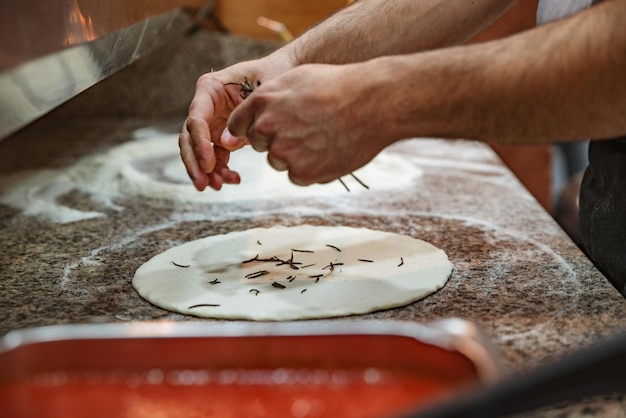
52	50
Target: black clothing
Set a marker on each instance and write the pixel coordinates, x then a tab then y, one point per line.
602	210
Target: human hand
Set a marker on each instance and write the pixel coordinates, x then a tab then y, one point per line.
316	121
205	143
202	148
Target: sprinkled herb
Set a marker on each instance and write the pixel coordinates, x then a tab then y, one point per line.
291	278
365	260
246	87
259	242
257	274
291	263
303	290
181	265
201	305
269	260
308	265
343	184
255	291
301	251
401	262
255	258
354	177
331	266
360	182
278	285
316	277
216	281
333	247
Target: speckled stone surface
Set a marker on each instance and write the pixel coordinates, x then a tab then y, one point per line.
516	274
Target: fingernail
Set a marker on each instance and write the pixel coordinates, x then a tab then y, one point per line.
226	136
202	164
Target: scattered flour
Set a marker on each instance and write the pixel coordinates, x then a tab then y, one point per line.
150	167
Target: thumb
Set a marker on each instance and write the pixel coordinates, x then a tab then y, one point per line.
231	142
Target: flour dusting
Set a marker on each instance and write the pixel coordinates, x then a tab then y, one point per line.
150	167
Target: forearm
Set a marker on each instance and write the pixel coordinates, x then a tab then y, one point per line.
371	28
559	82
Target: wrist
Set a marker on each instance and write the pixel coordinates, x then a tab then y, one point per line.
431	94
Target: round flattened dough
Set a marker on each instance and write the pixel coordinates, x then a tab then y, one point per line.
211	272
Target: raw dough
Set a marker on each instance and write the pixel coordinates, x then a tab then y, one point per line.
208	277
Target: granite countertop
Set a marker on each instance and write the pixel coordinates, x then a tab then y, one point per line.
516	273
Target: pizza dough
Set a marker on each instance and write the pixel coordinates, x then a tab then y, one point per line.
289	273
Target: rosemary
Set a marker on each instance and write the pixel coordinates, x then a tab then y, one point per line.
365	260
180	265
290	278
257	274
343	184
316	277
262	260
269	260
308	265
331	266
216	281
290	262
359	181
333	247
255	291
354	177
201	305
401	262
278	285
301	251
245	87
303	290
255	258
259	242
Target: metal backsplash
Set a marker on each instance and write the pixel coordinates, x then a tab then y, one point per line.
51	50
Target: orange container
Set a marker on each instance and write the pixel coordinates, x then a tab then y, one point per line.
238	369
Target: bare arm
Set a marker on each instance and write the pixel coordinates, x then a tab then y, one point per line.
558	82
371	28
366	29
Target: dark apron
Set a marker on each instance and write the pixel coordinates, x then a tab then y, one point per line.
603	209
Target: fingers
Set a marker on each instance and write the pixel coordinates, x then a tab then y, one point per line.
202	150
276	163
221	167
196	172
196	148
241	123
201	143
232	142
